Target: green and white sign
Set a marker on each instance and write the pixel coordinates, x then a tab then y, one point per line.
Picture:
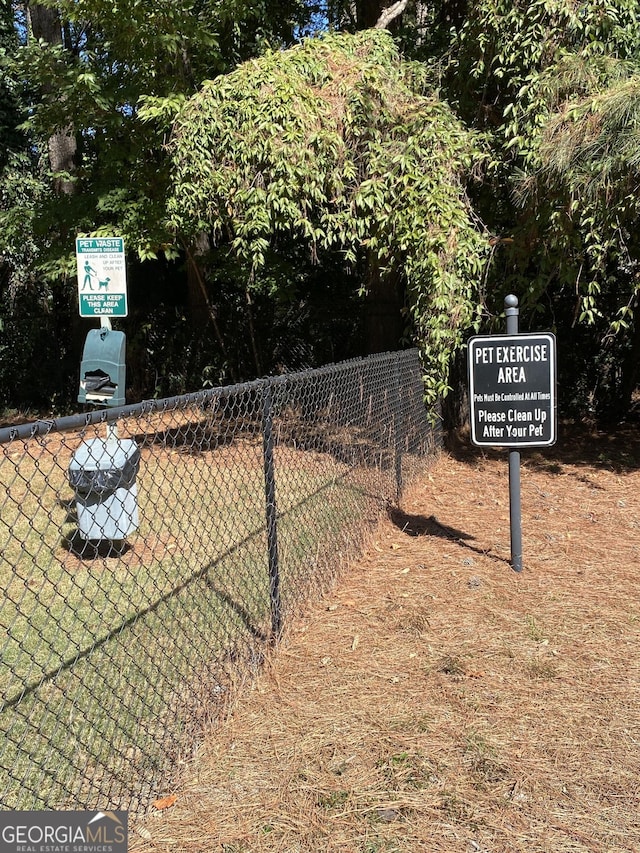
102	277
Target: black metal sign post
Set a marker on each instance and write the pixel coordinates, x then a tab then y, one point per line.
512	394
515	506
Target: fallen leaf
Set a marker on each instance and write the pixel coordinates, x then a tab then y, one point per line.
165	802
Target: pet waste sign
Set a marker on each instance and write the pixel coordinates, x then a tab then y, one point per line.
102	277
512	390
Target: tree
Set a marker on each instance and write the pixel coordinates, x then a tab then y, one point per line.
568	254
25	327
337	157
332	143
88	163
590	164
44	27
10	138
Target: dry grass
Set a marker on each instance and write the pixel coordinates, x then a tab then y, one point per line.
438	701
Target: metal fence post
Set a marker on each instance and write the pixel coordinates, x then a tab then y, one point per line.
271	512
200	606
398	427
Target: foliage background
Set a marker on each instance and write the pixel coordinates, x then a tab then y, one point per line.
412	177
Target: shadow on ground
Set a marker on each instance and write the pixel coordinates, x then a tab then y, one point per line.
615	448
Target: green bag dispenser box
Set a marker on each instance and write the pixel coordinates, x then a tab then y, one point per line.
102	372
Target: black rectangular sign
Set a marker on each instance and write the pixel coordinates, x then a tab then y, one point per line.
512	390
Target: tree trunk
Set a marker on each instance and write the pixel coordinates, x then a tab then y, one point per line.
200	308
390	14
378	13
384	324
631	368
368	12
44	24
62	152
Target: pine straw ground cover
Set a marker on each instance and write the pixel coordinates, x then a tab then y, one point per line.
435	700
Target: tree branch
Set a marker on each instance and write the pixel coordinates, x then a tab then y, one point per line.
390	14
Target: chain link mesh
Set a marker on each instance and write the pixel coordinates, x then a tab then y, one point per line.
148	561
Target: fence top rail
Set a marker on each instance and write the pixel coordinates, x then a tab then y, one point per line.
43	427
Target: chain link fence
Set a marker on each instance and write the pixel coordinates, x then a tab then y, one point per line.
151	553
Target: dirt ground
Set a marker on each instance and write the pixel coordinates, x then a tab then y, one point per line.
436	700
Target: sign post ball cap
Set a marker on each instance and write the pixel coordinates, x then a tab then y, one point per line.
511	301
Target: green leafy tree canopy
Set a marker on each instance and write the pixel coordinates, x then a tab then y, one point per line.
551	82
336	143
